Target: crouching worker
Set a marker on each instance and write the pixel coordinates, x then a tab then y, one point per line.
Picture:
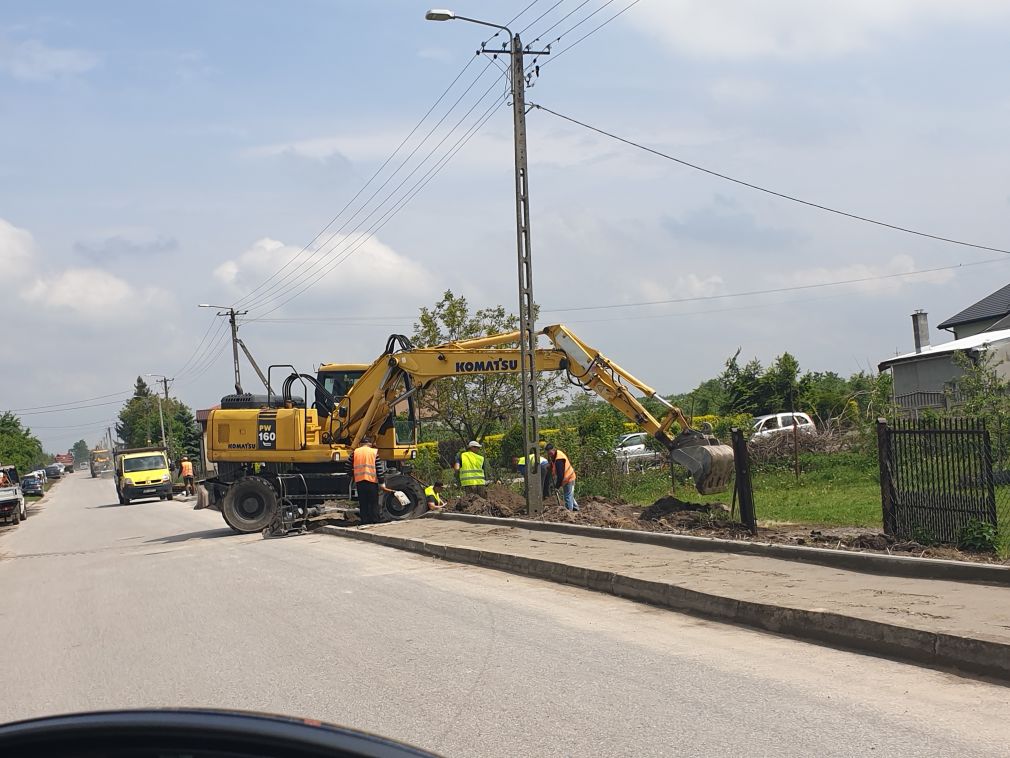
433	496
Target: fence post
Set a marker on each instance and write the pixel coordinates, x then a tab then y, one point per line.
741	459
987	472
886	487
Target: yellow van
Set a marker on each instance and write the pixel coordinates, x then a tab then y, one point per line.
142	472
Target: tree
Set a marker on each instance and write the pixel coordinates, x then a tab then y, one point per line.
19	446
473	406
186	432
81	451
139	423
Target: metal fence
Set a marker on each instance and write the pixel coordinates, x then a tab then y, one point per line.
938	476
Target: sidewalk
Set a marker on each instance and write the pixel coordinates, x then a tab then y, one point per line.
943	623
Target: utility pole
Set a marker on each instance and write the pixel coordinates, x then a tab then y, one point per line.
231	313
164	381
527	315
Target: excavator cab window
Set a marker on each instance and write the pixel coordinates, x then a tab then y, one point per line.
338	384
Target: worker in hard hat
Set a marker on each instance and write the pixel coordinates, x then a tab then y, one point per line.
433	496
564	475
186	469
473	470
366	479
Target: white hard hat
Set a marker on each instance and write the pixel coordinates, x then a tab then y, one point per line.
473	443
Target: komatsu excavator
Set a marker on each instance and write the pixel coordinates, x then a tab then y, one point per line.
284	462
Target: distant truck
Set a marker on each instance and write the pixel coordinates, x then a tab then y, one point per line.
100	460
67	459
12	499
142	472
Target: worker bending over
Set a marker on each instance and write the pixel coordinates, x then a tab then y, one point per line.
564	475
473	470
433	496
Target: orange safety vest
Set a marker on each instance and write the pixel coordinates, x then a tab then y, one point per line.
364	464
569	473
187	468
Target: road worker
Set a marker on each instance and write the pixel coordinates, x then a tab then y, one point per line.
544	471
564	475
433	495
186	469
473	470
366	480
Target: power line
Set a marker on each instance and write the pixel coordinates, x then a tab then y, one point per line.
208	349
523	30
76	426
792	288
624	10
71	402
559	21
316	276
197	348
212	355
62	410
775	193
272	280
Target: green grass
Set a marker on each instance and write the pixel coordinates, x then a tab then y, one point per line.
837	489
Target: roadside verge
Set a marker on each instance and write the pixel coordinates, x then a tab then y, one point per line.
945	624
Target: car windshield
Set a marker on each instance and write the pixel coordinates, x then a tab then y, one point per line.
144	463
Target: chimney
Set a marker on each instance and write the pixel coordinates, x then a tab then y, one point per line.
920	330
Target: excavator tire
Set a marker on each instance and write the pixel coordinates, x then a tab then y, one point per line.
250	505
390	508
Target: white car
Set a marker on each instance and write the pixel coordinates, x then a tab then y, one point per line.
40	473
777	423
632	448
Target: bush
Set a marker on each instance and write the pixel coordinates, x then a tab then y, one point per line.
978	536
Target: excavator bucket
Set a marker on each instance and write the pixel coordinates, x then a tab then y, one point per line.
709	461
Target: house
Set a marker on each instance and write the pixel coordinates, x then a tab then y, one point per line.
927	377
989	314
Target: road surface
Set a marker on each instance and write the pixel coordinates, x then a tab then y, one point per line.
154	604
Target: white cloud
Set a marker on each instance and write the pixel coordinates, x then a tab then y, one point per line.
373	275
31	60
87	291
794	28
896	265
739	91
17	250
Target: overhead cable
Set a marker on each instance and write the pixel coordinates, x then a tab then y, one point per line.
766	190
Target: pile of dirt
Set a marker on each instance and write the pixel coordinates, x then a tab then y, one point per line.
500	501
596	511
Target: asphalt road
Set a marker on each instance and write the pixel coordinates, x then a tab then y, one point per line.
154	604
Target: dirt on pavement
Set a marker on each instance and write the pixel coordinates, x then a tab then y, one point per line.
671	514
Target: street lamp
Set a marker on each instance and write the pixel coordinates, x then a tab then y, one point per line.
231	313
161	414
527	328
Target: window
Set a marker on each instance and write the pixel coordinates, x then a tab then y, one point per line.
144	463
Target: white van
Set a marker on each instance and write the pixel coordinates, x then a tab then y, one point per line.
777	423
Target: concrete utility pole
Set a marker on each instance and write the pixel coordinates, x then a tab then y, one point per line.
231	313
527	319
163	380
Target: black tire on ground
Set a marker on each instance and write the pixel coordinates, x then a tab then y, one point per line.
390	508
24	511
15	517
250	505
161	497
125	500
170	495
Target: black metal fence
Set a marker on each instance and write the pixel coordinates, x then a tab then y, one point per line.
938	476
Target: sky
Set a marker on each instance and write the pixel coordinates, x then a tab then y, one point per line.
159	155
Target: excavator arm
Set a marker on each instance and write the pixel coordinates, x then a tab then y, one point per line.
403	370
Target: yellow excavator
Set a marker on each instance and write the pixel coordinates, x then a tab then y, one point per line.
284	461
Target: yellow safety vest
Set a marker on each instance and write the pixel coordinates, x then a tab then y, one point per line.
471	469
430	492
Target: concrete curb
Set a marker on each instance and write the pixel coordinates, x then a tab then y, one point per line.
867	563
966	654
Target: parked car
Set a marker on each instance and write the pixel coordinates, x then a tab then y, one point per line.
33	485
41	474
633	448
12	500
54	471
777	423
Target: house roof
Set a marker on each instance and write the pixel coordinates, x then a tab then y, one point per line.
995	305
965	343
